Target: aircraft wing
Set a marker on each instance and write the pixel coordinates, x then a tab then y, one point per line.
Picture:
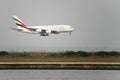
43	32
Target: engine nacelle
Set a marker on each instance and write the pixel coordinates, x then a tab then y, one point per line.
48	31
39	30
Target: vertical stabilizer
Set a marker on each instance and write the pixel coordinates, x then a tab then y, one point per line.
20	22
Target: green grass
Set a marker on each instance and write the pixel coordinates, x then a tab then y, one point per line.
60	60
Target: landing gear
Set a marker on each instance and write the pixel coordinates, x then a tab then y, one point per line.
44	34
69	33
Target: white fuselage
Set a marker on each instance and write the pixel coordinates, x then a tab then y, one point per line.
49	29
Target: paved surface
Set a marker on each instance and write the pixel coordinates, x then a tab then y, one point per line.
114	63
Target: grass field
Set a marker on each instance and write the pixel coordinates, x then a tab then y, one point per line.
60	60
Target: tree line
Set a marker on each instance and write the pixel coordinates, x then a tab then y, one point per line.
93	54
68	54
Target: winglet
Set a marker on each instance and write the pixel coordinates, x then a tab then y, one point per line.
20	22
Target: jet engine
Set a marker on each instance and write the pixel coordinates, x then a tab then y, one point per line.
48	31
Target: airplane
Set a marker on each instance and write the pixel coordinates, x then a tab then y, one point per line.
42	30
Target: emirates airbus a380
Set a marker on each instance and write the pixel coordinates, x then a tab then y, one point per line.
42	30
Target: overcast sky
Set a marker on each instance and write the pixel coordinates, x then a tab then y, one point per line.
96	24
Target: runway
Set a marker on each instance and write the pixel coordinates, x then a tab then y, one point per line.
61	65
113	63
